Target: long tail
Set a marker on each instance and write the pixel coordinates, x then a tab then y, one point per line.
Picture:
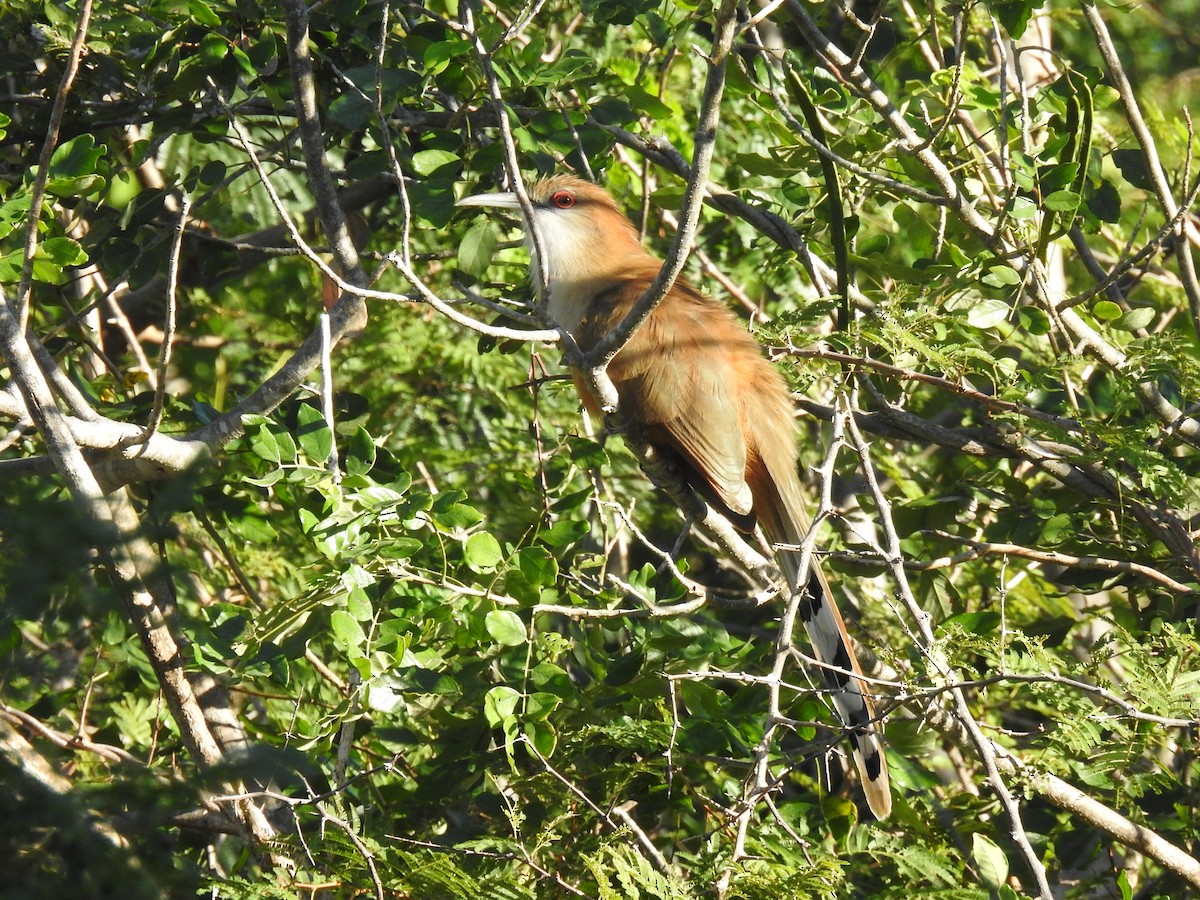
831	644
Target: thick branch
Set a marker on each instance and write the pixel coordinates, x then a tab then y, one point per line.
130	559
1069	798
312	141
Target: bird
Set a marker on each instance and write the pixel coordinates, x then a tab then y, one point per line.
700	389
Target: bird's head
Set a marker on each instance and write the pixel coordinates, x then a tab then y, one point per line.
587	240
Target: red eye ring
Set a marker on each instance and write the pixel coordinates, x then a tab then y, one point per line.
563	199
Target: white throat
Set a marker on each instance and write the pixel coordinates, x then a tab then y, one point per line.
573	255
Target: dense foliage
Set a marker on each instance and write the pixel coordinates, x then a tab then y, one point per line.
419	629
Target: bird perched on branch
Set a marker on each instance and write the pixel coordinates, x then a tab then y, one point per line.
697	385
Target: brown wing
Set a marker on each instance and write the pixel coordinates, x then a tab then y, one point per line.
676	380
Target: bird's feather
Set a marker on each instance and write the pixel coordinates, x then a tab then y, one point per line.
678	377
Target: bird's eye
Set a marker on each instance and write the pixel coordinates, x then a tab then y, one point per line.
563	199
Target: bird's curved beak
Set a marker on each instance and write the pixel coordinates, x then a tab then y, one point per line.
505	200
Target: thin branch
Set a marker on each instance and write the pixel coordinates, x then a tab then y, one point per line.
363	850
841	65
67	741
1128	261
601	355
942	383
540	270
988	752
38	191
312	142
331	462
1133	113
899	188
1051	557
165	348
1069	798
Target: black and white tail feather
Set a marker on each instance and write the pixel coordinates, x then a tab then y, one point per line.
840	670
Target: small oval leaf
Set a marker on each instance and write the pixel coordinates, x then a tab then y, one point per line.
992	863
482	552
506	627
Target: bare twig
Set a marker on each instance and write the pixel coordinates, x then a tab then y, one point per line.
165	348
540	271
68	741
939	382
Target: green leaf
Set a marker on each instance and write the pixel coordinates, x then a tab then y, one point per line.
1052	179
537	565
426	162
264	444
646	103
1034	319
563	533
543	736
254	529
269	479
1136	318
1023	208
202	14
624	668
987	313
213	48
360	453
990	860
313	434
347	631
1132	164
1002	276
76	158
975	622
1057	529
475	251
437	56
612	111
1104	202
457	516
358	604
1123	885
506	627
350	111
212	172
10	267
73	168
500	707
1107	311
1062	201
482	552
63	251
1014	15
540	704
